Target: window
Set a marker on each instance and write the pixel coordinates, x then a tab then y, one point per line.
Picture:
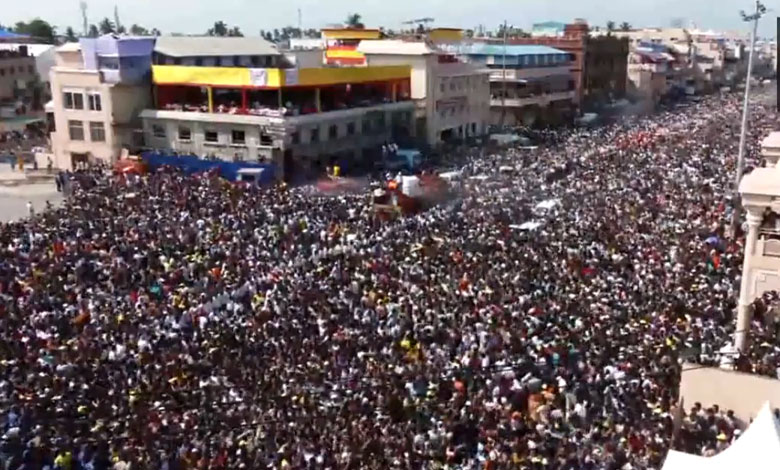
238	137
11	70
158	131
21	69
351	128
442	86
73	100
185	134
333	132
211	136
452	85
366	126
76	130
266	139
93	99
199	61
30	69
296	137
315	135
2	72
97	133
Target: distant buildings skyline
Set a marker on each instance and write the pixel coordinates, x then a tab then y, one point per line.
179	16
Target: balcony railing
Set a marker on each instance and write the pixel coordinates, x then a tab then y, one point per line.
498	75
538	100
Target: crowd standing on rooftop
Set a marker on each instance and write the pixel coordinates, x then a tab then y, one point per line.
171	322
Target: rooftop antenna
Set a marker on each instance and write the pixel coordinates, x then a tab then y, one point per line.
83	6
300	23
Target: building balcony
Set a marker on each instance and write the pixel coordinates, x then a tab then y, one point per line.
125	76
275	78
654	68
520	75
537	100
264	120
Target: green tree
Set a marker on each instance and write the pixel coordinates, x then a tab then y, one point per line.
36	28
353	21
235	32
625	26
70	35
121	29
219	29
138	30
610	26
93	31
106	26
156	32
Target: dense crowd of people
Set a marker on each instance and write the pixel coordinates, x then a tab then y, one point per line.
539	321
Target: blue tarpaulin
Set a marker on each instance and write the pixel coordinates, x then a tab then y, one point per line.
191	164
7	34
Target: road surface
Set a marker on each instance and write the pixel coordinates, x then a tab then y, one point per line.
13	199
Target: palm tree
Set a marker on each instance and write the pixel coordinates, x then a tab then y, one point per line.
106	26
93	31
70	35
353	21
625	26
610	26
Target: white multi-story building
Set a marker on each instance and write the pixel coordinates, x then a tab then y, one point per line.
760	191
452	98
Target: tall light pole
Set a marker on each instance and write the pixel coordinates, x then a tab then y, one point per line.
503	79
736	211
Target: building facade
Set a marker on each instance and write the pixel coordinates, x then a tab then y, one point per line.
598	64
99	87
648	74
760	193
18	79
534	86
240	99
452	98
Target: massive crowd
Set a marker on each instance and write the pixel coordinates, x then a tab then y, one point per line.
539	321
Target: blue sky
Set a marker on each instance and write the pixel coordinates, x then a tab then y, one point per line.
194	16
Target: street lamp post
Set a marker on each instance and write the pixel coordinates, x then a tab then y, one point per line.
736	208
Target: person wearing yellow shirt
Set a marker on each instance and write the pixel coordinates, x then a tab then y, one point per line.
63	461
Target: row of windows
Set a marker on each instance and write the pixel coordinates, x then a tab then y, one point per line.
75	100
12	70
97	131
238	137
462	109
227	61
461	83
533	60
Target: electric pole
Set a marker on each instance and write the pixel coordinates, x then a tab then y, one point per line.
116	19
83	6
736	207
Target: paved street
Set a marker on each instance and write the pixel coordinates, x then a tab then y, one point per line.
13	200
